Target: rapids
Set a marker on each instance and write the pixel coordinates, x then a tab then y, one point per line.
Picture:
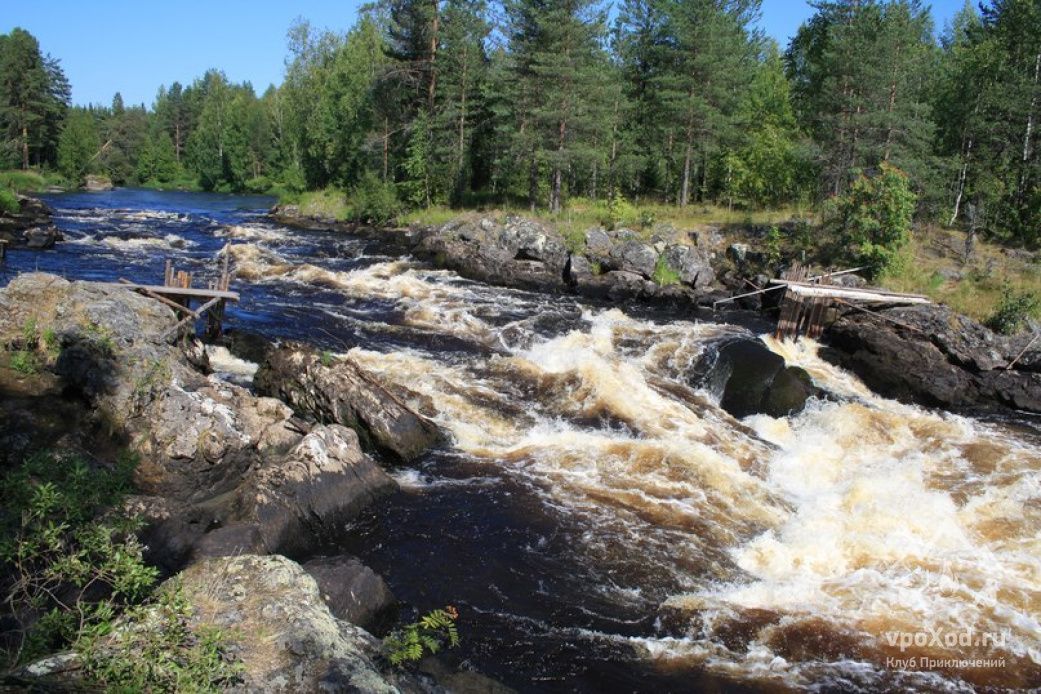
600	522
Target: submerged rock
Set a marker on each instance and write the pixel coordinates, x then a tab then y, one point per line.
337	390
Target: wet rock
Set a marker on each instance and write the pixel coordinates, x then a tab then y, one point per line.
353	591
42	237
338	390
751	379
281	630
933	356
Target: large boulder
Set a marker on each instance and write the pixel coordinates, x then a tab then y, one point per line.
692	265
750	379
281	630
933	356
30	226
97	184
335	389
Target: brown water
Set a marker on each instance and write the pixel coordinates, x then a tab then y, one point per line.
605	526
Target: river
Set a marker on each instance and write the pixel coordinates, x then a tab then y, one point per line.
601	524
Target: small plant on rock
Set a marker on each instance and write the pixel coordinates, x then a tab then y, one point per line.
427	636
663	274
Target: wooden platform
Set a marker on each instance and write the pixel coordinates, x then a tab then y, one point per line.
178	292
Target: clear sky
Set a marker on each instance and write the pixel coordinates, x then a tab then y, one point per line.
133	46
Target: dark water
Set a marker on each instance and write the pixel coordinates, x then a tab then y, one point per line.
587	482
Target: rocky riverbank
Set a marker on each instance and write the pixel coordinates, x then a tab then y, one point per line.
30	226
228	481
927	355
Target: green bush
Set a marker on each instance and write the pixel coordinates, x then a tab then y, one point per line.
873	219
374	201
8	202
56	542
619	211
1013	311
24	362
427	636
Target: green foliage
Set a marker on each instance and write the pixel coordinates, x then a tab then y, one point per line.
663	274
24	362
619	211
326	358
373	201
426	637
78	144
8	202
55	545
154	649
873	219
1014	311
772	246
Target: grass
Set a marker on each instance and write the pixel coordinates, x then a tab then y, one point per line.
979	290
329	203
30	181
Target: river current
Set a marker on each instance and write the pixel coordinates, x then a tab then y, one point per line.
599	521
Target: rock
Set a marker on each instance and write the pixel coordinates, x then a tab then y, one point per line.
598	244
337	390
353	591
322	483
751	379
738	252
933	356
30	227
41	238
693	266
707	238
634	257
282	632
97	184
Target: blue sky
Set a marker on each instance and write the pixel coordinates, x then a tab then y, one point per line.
133	46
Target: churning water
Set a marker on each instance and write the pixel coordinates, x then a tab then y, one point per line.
600	522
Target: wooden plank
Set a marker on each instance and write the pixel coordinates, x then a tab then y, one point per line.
197	292
866	294
187	319
159	297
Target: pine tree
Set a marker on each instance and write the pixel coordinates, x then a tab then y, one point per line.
32	91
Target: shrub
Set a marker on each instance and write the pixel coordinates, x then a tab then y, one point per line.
873	219
54	545
1013	311
374	201
24	362
427	636
663	274
8	202
619	211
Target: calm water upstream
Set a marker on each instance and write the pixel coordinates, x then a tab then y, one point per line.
601	524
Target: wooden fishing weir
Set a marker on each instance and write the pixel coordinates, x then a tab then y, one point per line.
178	293
808	303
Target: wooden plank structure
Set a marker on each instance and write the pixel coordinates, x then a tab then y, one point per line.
808	303
178	293
3	249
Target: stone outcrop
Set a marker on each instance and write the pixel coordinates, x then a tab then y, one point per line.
933	356
524	253
97	184
335	389
282	631
30	227
220	469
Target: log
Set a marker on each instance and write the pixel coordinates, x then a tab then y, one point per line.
159	297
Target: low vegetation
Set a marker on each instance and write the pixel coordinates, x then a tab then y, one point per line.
74	578
434	631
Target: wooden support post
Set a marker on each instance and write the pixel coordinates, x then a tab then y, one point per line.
169	274
3	249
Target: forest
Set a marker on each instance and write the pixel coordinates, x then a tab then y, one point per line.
470	103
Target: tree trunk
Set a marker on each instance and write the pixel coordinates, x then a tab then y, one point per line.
961	183
685	186
533	178
25	146
432	84
386	147
1030	125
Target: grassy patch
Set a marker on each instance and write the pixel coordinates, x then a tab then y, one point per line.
31	181
329	203
663	274
934	266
